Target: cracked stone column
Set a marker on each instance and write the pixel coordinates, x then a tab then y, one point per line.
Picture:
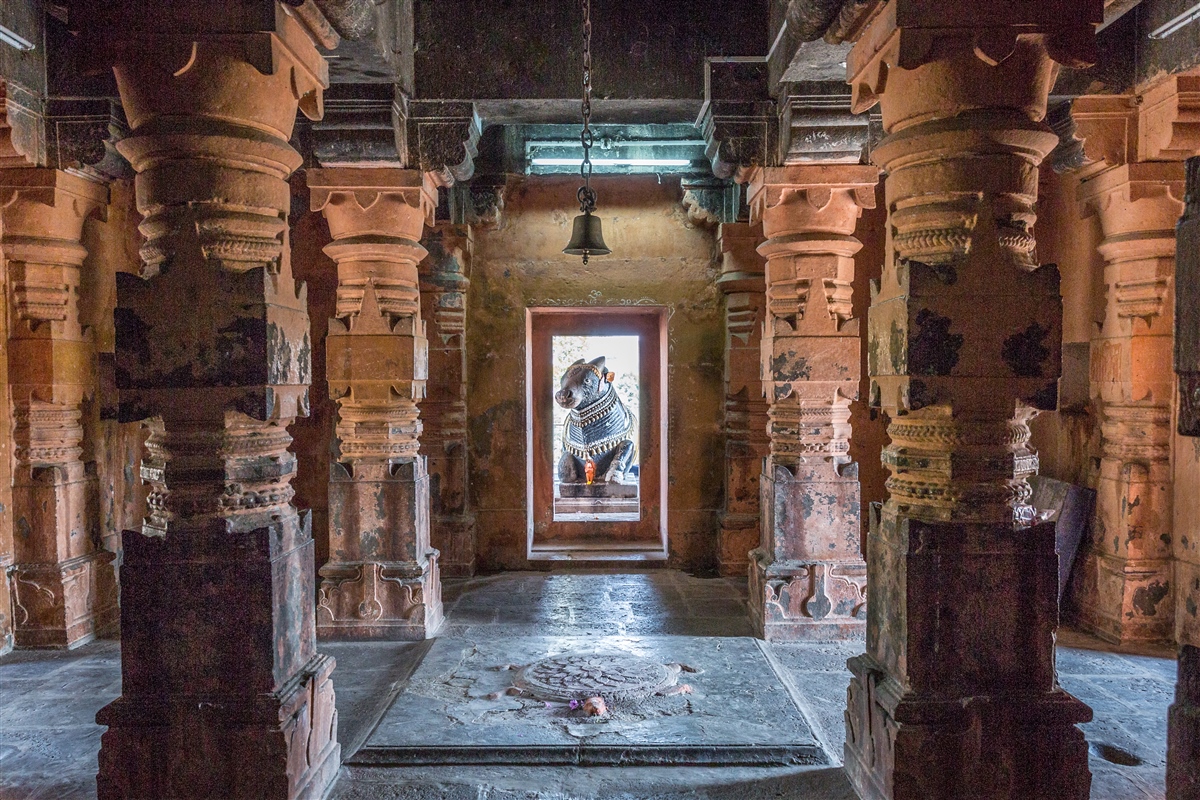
1183	718
381	580
807	577
223	693
743	282
444	285
63	582
957	695
1126	583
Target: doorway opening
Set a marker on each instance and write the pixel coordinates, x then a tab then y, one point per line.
596	386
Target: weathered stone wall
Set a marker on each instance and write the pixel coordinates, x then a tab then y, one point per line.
112	449
658	259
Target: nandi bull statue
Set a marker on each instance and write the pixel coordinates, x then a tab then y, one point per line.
598	432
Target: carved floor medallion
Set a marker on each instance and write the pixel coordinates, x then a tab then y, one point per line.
611	676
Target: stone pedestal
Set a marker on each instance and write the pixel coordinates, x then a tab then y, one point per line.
381	581
223	693
956	695
64	589
444	285
1126	583
743	282
807	579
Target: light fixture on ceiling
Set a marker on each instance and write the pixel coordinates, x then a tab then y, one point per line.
586	238
14	39
1175	23
611	162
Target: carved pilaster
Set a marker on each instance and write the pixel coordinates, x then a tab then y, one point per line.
956	695
743	282
64	588
1126	582
808	577
444	284
382	577
213	347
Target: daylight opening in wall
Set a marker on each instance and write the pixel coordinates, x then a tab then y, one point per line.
595	448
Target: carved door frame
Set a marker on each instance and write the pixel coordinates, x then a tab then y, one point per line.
646	539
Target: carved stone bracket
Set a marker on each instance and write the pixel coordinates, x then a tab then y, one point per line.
740	133
908	34
440	137
65	133
822	128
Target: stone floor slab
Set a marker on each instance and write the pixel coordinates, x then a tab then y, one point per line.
455	710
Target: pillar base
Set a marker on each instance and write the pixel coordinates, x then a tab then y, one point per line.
390	601
67	604
1183	729
812	601
902	746
738	536
454	538
279	745
1125	600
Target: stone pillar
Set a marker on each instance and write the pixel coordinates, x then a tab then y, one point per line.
444	285
956	695
1126	583
381	581
223	691
743	282
63	584
807	579
1183	718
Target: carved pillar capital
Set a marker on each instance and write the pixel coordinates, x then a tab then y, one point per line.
930	61
1169	118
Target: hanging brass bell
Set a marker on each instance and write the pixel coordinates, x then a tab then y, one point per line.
586	238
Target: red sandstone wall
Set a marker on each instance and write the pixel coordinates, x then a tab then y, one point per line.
658	259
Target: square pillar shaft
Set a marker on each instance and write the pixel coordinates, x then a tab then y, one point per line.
64	589
956	695
381	581
223	693
807	579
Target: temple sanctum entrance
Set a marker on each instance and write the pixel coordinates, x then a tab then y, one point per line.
596	433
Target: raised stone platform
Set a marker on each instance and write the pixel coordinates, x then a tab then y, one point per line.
508	701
